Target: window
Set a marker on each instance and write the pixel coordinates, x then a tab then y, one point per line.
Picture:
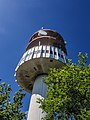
51	60
27	76
35	68
47	51
43	51
55	53
61	56
51	52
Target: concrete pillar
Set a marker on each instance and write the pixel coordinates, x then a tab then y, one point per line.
39	91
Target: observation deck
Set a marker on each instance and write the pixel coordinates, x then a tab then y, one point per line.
46	49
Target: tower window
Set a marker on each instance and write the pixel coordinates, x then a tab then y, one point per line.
55	53
51	52
27	76
43	51
51	60
61	56
47	51
35	69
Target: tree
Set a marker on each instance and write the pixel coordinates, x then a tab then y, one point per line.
11	110
68	93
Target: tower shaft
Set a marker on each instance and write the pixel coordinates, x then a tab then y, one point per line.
39	91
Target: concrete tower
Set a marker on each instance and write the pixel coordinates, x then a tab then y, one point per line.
46	49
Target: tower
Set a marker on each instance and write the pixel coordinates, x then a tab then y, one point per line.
45	50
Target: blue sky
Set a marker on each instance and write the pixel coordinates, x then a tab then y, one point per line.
19	19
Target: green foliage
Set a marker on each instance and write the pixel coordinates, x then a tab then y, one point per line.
68	91
10	110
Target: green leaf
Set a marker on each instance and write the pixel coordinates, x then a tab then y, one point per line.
68	91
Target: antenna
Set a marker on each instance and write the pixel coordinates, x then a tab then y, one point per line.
42	32
41	27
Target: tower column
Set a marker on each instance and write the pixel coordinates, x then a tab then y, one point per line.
39	91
